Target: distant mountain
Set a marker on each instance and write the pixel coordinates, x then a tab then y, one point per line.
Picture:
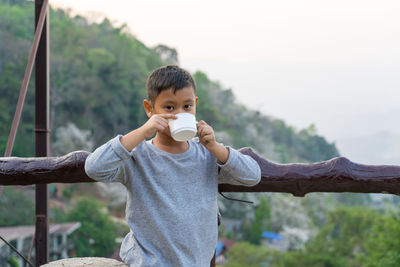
378	148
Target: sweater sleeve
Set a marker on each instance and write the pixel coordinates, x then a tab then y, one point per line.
239	169
108	162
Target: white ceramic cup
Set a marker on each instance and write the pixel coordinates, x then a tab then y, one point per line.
184	127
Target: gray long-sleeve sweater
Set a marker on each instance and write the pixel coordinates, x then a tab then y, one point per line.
172	199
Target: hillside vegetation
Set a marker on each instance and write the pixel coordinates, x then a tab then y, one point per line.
97	82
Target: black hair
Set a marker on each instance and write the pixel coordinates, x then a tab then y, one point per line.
168	77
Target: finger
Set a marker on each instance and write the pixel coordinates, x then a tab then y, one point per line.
205	126
208	138
201	123
161	124
201	131
159	127
168	116
202	126
162	121
203	134
207	130
199	128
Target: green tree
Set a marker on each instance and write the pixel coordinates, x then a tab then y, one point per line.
383	243
12	262
96	236
16	207
340	243
353	199
249	255
300	258
261	222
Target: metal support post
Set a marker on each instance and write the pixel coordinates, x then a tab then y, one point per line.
42	135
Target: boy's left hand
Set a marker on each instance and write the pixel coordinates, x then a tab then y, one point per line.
207	138
206	134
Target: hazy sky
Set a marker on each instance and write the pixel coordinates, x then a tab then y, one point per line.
332	63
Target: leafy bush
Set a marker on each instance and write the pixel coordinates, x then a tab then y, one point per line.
246	254
16	207
96	236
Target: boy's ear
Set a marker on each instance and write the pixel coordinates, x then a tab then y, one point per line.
148	108
197	99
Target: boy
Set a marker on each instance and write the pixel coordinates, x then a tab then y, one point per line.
172	186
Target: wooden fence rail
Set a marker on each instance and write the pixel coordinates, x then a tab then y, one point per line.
335	175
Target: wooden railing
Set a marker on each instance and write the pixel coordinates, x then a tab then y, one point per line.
335	175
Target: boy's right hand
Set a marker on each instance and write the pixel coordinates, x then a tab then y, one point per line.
157	123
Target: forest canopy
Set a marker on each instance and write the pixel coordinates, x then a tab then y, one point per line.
97	86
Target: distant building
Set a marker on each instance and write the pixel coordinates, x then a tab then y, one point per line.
273	240
222	247
21	238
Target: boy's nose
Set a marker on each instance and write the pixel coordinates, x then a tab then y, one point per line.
180	110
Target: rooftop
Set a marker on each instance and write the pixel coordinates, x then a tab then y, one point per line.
17	232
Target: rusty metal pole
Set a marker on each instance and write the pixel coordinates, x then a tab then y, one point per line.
42	136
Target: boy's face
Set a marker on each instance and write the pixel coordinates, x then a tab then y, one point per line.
183	100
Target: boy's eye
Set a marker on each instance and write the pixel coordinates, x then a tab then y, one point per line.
188	106
169	108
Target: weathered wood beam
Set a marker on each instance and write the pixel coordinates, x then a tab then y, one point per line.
335	175
44	170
